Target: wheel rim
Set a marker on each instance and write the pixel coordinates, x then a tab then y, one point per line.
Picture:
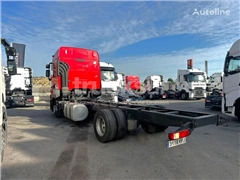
183	96
100	126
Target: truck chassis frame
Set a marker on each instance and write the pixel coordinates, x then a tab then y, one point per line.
113	120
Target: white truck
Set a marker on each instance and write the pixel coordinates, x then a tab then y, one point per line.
154	86
191	83
19	88
121	80
153	81
109	81
231	81
215	82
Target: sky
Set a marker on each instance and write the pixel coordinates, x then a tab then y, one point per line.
138	37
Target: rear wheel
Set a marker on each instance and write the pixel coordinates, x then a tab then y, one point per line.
105	125
150	128
121	123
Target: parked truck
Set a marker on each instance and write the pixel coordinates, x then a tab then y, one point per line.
12	70
121	80
191	83
76	75
132	83
231	83
109	90
215	82
154	86
214	91
73	69
19	88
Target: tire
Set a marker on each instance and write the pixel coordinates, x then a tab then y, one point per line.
121	123
183	96
56	112
51	105
151	129
105	125
4	136
144	97
151	96
238	111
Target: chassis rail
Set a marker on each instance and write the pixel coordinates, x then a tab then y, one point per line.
159	115
113	120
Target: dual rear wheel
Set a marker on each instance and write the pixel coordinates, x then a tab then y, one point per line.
110	124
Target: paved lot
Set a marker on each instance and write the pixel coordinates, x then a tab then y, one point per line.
41	146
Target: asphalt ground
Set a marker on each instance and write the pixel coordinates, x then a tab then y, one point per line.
41	146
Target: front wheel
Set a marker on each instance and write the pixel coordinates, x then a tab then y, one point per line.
238	111
51	104
183	96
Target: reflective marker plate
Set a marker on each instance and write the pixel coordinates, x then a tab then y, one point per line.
176	142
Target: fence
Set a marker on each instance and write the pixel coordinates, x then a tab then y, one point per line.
169	86
41	89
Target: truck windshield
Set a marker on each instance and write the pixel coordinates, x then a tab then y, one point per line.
196	78
108	75
233	65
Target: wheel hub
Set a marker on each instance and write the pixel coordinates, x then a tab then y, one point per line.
100	126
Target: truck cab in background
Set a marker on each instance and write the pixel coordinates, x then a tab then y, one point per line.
19	87
215	82
191	83
231	81
121	80
109	81
154	86
133	83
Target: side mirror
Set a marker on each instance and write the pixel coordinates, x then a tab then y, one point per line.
48	73
10	51
12	67
47	66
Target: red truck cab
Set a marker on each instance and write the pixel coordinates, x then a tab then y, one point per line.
133	83
75	73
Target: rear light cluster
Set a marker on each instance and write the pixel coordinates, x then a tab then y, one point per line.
30	100
179	134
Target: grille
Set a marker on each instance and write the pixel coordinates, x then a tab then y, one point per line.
198	92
